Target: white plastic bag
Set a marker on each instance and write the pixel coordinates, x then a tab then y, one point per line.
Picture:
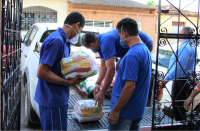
86	110
78	64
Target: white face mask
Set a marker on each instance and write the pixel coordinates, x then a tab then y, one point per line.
73	40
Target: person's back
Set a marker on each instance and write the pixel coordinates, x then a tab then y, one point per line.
178	71
109	43
186	56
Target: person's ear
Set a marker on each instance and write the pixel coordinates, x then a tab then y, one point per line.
124	35
91	44
78	24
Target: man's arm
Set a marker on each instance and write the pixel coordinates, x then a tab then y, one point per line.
110	65
44	72
102	71
123	99
108	80
190	99
125	96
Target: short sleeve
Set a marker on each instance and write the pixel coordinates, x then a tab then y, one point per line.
100	54
144	37
51	52
108	48
131	68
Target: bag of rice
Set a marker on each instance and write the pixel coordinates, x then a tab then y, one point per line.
85	110
78	64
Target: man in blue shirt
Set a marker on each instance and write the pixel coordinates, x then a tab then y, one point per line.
108	45
131	87
52	92
186	57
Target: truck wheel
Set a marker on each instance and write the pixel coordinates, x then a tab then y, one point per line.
27	108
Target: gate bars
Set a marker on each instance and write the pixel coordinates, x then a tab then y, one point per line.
192	76
10	64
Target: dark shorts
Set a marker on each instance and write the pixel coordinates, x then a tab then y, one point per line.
53	118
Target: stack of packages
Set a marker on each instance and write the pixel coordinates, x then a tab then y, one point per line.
86	110
78	64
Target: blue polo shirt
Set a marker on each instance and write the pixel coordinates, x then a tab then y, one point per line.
145	38
55	47
186	57
134	66
110	46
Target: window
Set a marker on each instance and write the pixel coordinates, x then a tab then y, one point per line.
45	35
37	14
27	36
33	33
96	23
174	23
108	24
89	23
163	57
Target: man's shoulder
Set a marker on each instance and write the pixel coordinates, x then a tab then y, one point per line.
109	34
53	38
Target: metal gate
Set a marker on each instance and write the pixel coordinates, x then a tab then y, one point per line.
10	64
164	37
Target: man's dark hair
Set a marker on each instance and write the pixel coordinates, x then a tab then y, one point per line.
88	38
187	30
75	17
129	25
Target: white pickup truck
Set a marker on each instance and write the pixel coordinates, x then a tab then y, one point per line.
29	66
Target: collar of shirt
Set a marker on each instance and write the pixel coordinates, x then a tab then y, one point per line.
185	42
63	34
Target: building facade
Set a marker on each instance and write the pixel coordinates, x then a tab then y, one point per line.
101	14
43	11
170	20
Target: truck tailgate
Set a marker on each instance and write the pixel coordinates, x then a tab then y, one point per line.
102	124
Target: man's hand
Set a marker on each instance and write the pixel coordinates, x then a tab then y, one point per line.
99	98
113	118
76	81
96	90
82	94
187	103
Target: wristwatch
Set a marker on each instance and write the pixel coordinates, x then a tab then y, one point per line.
98	83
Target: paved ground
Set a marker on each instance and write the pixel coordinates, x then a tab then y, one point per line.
22	125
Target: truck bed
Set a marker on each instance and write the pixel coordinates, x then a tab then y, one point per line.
102	124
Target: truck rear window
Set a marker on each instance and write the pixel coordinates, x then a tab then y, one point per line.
46	34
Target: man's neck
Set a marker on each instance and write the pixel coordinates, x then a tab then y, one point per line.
134	41
67	31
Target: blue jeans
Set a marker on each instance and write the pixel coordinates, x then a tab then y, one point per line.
126	124
53	118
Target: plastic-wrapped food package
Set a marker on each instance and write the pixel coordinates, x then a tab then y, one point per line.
78	64
85	110
88	86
